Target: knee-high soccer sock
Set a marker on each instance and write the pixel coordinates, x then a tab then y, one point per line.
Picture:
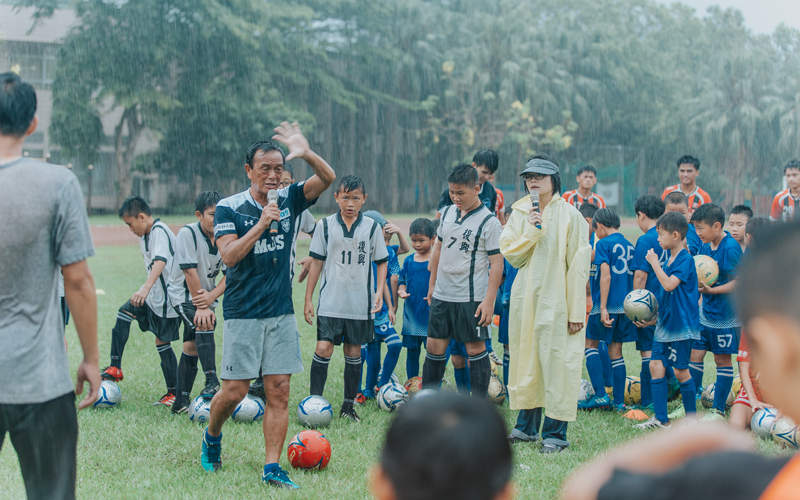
488	344
352	367
645	386
412	361
688	394
506	364
373	366
187	372
723	387
462	379
393	347
670	374
361	370
618	369
433	371
207	352
480	371
169	366
119	337
595	368
696	370
660	399
605	359
319	374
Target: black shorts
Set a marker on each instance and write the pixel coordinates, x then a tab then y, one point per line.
165	329
186	314
456	320
348	331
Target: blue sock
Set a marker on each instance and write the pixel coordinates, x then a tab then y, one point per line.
595	369
269	468
687	393
618	370
373	367
412	361
390	360
660	391
506	364
645	385
211	439
462	379
696	370
608	376
488	344
723	387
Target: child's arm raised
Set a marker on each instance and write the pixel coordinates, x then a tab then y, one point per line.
669	283
404	247
605	286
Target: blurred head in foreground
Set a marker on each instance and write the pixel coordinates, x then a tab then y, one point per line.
445	446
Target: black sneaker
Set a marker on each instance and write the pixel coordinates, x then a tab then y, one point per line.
181	405
257	390
211	388
350	414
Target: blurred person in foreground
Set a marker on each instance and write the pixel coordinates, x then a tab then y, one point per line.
45	227
445	446
709	461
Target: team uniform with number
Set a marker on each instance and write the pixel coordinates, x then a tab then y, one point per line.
193	250
783	206
463	275
696	198
678	324
744	356
617	252
639	263
346	295
575	199
720	327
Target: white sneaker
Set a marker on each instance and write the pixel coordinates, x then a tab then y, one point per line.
653	423
495	359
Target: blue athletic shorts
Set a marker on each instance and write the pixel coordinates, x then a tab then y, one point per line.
718	340
621	331
502	330
457	348
675	354
645	341
414	341
383	331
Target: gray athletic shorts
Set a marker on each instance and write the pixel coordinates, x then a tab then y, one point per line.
272	345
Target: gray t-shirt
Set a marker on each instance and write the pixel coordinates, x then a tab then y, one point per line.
44	226
159	244
194	250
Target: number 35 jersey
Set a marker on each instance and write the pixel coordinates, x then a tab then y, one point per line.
347	284
617	252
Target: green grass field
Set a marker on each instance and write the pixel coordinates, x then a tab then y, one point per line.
141	451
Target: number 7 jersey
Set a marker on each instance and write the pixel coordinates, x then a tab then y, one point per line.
347	284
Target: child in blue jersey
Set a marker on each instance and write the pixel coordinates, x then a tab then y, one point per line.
505	303
610	280
679	202
678	322
720	326
413	288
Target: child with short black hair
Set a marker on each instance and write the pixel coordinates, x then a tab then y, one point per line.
754	228
679	202
787	201
737	220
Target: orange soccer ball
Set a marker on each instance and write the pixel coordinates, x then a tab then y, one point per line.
309	449
413	385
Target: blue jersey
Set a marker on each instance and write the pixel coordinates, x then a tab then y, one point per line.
508	284
678	313
617	252
416	277
260	285
393	268
692	240
639	263
717	311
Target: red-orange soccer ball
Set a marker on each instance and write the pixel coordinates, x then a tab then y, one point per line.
309	449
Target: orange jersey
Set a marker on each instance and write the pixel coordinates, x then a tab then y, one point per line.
575	199
786	485
783	206
501	206
696	198
744	355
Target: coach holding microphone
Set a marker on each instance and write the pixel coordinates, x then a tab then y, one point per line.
550	247
254	231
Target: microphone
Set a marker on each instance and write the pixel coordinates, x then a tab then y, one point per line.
535	203
272	197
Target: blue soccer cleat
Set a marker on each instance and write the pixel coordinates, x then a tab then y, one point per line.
596	402
210	458
279	479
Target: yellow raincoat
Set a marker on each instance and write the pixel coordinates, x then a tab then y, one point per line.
548	293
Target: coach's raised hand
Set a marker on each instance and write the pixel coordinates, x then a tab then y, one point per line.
289	134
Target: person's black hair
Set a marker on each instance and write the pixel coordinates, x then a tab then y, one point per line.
350	183
206	200
587	168
447	446
288	168
588	210
795	164
651	206
133	206
554	178
691	160
607	217
17	105
742	210
422	227
435	223
709	213
676	198
769	277
672	222
463	175
756	226
266	147
487	158
508	211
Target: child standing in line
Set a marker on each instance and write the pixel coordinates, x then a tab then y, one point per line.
737	222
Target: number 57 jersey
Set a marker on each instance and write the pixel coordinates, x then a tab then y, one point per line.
617	252
347	282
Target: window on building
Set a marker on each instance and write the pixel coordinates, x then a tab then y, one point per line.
37	62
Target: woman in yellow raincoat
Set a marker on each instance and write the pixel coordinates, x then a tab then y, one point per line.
547	307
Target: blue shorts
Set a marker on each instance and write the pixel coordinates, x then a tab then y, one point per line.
502	329
675	354
719	340
645	342
621	331
457	348
414	341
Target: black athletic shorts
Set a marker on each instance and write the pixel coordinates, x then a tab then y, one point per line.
349	331
186	313
456	320
166	329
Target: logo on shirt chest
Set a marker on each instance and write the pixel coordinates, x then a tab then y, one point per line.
286	222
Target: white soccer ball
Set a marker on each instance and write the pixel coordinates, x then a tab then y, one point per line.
109	395
762	422
707	398
314	411
424	393
586	391
784	432
392	396
248	410
395	378
640	305
497	392
200	410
